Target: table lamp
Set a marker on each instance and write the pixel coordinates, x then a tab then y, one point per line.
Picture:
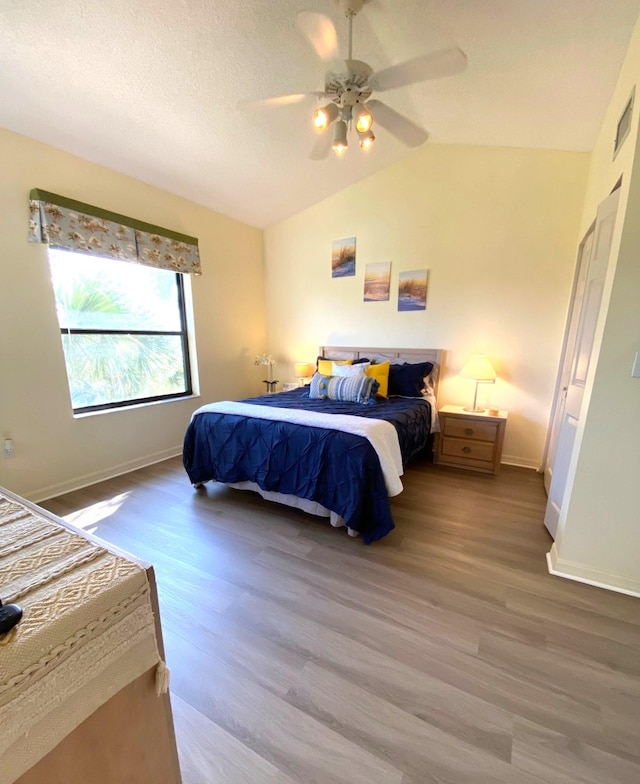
480	370
301	371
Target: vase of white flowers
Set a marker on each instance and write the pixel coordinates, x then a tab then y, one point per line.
270	363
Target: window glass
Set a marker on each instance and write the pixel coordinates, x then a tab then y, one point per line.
123	330
110	294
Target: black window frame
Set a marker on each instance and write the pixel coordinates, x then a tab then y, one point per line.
186	358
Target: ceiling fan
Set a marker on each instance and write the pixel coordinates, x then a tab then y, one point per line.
350	83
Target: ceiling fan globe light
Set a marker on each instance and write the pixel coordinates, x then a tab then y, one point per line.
324	116
366	140
364	121
320	120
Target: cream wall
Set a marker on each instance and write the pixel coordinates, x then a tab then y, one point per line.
599	528
54	450
498	230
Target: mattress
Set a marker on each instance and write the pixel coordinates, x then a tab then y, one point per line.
339	470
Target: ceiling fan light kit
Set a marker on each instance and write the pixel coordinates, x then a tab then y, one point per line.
364	121
322	118
350	83
366	139
340	142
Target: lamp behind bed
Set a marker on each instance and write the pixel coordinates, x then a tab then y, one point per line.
301	370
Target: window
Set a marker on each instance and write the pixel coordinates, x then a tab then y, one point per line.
123	329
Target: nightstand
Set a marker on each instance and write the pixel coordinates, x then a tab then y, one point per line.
470	440
287	386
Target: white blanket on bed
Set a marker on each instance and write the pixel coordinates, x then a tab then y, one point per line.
381	434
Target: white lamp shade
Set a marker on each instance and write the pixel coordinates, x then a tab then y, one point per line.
478	368
301	369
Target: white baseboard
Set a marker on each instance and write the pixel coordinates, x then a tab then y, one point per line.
587	574
520	462
51	491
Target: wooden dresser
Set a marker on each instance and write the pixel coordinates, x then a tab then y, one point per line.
470	440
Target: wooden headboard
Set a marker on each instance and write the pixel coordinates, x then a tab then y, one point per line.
383	354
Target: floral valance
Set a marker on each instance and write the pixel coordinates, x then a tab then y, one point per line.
72	225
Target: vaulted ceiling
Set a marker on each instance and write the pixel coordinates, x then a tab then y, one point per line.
150	88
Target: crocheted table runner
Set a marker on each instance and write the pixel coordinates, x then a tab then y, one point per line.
87	631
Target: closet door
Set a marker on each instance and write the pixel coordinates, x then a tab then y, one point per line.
568	354
579	354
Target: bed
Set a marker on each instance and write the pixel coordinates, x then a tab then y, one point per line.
329	457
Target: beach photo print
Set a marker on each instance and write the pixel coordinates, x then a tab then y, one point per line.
343	258
377	278
412	290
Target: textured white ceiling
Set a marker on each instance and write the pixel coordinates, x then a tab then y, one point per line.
149	88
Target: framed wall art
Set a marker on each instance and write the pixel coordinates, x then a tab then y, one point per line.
343	258
412	290
377	279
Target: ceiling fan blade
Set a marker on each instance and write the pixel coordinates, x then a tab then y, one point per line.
435	65
397	124
322	146
278	100
320	32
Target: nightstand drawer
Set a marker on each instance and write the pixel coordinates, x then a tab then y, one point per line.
465	449
469	429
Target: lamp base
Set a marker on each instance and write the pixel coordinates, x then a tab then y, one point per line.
474	410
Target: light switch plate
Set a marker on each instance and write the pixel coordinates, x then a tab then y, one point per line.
635	372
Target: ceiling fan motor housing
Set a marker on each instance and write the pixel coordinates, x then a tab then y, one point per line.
351	87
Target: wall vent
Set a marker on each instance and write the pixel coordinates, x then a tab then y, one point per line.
624	124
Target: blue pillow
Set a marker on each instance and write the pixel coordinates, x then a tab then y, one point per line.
347	389
408	379
319	386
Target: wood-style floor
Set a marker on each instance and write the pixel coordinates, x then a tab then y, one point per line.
444	653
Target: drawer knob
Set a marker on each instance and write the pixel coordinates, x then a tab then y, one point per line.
469	431
466	449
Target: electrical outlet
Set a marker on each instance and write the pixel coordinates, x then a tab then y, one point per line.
7	449
635	370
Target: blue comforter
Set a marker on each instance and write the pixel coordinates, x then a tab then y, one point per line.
339	470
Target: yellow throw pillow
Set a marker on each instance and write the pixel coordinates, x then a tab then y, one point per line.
324	365
381	374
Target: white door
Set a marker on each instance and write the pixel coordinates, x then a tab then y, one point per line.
596	251
568	354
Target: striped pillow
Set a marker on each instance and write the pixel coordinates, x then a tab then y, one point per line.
349	389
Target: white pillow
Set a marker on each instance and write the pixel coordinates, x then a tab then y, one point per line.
349	370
